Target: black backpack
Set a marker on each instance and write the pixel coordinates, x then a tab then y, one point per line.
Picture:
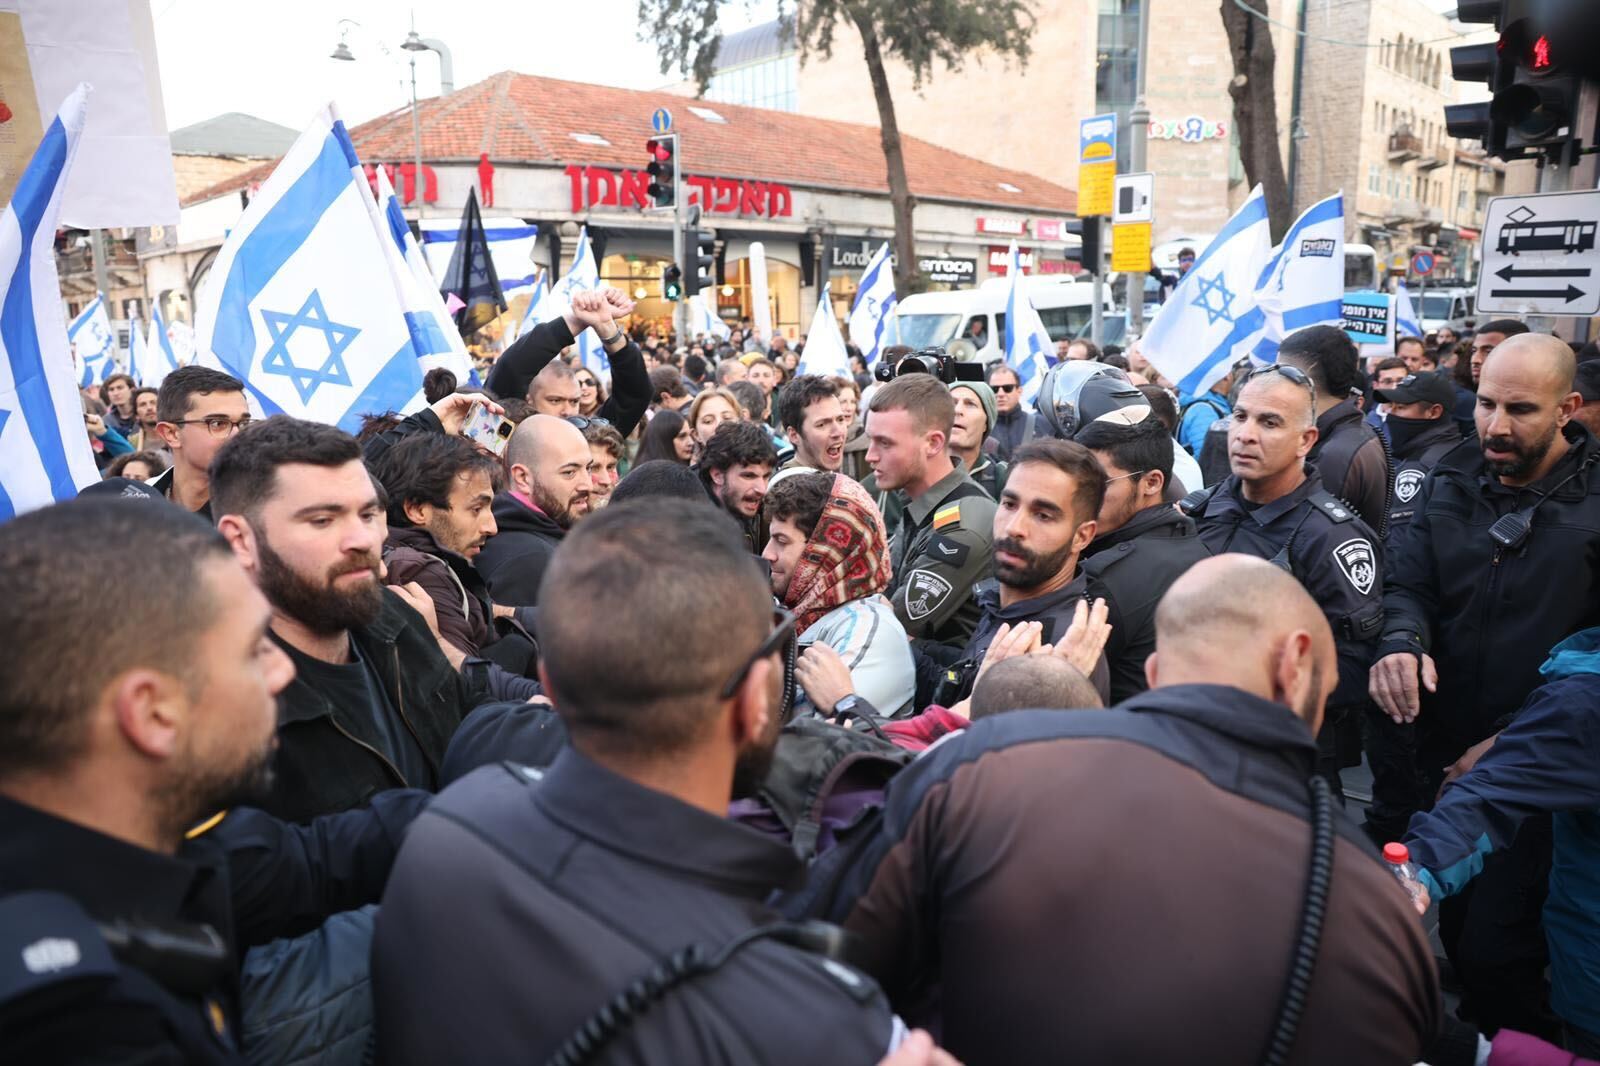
1213	457
813	759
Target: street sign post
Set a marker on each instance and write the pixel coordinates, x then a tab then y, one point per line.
1097	164
1540	255
1132	213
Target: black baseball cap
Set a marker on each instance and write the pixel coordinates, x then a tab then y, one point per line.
125	488
1587	380
1421	388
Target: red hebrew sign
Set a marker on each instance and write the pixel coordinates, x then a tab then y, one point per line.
606	187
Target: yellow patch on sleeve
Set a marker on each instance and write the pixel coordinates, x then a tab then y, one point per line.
948	516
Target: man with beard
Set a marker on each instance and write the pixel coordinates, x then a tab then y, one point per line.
1472	609
440	489
1141	543
1044	521
375	699
989	886
617	867
549	486
1273	506
146	438
121	912
813	419
734	468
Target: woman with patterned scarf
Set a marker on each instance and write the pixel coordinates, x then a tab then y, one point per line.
829	554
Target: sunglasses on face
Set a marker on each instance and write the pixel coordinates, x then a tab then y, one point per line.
1005	388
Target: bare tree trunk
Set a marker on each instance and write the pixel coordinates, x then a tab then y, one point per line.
906	278
1255	110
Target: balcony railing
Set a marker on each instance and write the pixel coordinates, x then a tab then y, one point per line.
1404	145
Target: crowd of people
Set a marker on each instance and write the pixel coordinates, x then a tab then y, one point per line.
734	714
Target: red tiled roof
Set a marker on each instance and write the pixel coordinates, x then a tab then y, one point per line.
523	119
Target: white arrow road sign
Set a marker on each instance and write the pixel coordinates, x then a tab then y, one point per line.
1540	256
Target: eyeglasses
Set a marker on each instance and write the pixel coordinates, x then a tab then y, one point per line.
1005	388
1292	373
782	632
1123	477
219	425
584	421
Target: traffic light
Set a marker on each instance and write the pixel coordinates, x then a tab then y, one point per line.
671	282
699	260
663	169
1535	73
1089	254
1539	105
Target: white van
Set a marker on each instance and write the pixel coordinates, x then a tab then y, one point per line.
971	323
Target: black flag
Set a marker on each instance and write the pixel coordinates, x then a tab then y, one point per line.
470	276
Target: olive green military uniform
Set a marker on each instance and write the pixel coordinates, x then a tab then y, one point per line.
941	546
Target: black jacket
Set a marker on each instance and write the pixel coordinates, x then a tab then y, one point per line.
513	560
1354	463
67	998
568	885
519	364
1489	615
1014	429
326	761
1324	544
1413	460
1131	569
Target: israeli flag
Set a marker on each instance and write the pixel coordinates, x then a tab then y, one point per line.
137	359
703	320
1212	320
824	352
1407	323
304	302
419	290
873	306
163	359
531	313
583	276
44	449
94	343
1028	344
1303	283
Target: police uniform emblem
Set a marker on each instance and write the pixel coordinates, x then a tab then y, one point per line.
925	591
1406	484
1356	561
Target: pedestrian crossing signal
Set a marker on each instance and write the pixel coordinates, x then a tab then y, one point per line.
671	282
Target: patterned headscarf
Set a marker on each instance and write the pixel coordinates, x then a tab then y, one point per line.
846	557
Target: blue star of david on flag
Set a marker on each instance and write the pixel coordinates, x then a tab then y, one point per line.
283	326
1215	284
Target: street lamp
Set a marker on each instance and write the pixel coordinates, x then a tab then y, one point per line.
413	44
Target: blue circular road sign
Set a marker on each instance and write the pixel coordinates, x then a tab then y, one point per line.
1422	263
661	121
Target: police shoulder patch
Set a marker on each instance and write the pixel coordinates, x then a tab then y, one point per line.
945	517
1358	563
926	592
1407	483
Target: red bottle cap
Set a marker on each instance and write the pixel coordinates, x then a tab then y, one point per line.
1396	853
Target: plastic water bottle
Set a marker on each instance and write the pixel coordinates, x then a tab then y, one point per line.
1398	857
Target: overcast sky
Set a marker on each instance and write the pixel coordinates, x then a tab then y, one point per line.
272	59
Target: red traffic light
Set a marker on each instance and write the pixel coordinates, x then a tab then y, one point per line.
1539	55
660	150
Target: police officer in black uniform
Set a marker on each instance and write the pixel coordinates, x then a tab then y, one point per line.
1421	430
1273	506
607	907
120	931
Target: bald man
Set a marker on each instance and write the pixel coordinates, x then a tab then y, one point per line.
1126	885
547	462
1471	609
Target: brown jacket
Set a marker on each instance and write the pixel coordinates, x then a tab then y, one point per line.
1125	886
